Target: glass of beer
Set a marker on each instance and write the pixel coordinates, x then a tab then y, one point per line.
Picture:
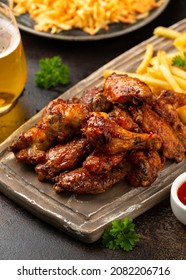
13	69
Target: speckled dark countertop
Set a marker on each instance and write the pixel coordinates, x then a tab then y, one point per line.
22	235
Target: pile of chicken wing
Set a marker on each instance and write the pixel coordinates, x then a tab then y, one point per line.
120	131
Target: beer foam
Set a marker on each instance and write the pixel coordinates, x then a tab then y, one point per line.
10	38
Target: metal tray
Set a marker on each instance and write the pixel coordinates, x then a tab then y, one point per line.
86	216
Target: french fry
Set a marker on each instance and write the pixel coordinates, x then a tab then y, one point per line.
180	42
143	77
108	72
178	72
142	68
170	56
154	61
90	16
182	113
162	59
152	82
182	83
157	71
166	32
170	78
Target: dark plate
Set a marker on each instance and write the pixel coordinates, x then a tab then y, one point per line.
27	24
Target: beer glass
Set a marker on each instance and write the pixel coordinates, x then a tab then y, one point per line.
13	70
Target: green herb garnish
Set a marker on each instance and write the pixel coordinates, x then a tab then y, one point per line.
179	61
52	73
121	235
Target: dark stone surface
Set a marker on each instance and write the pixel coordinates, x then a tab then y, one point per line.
23	236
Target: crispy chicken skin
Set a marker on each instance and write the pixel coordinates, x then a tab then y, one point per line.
89	94
177	99
113	139
63	120
165	106
31	145
124	89
99	163
95	98
82	181
145	166
123	118
62	157
59	122
150	121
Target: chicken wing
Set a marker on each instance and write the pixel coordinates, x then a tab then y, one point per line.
150	121
177	99
113	139
123	118
145	166
95	98
99	163
125	89
62	157
84	182
59	122
165	105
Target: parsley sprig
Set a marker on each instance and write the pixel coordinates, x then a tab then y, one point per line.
122	235
52	73
179	61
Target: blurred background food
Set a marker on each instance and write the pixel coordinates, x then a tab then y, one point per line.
88	15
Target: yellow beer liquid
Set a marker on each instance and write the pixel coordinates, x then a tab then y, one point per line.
10	121
13	70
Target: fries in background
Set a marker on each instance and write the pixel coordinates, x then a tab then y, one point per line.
179	38
166	32
180	42
90	16
146	61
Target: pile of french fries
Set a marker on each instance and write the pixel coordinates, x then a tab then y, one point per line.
57	15
156	68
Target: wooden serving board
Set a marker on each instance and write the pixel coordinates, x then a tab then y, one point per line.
86	216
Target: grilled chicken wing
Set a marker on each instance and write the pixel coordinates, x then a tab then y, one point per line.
145	166
60	121
62	157
113	139
31	145
165	106
176	99
99	163
150	121
84	182
124	89
95	98
123	118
